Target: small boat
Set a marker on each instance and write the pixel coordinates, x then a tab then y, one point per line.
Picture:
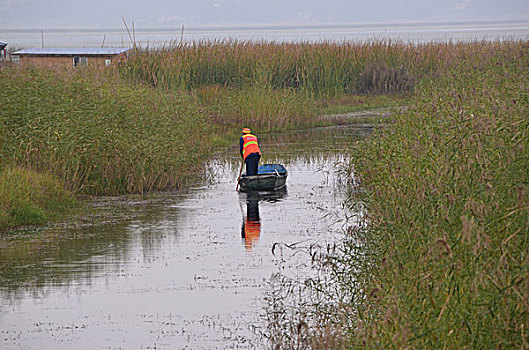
270	177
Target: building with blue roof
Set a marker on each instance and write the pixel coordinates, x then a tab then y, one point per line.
72	57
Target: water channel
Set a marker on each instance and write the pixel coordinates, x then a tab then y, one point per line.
181	270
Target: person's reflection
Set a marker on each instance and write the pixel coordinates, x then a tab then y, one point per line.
251	225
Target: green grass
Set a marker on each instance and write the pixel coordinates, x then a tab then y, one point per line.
31	198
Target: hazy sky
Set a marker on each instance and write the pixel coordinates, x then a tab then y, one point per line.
46	14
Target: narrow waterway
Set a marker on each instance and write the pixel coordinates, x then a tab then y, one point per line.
180	270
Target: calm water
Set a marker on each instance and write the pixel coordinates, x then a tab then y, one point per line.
176	271
416	33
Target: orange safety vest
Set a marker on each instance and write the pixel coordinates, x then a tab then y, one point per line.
249	145
252	231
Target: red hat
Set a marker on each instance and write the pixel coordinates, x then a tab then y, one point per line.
245	131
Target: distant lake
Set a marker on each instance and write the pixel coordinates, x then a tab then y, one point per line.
154	37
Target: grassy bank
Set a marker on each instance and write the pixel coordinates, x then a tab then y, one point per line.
442	261
95	134
28	197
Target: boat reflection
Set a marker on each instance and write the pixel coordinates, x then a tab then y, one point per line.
251	223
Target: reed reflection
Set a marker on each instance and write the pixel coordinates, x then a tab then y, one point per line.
251	223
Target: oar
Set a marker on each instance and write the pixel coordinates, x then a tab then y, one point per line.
239	178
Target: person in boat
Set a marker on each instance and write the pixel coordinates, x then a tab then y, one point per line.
250	151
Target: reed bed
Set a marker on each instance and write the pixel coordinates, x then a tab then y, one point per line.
441	259
264	110
279	86
317	69
97	133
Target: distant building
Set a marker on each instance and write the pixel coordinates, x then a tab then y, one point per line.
72	57
3	51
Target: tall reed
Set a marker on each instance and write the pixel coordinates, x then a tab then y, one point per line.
262	109
441	257
448	213
98	133
317	69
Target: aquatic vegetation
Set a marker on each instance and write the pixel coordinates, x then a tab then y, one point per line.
447	215
28	197
98	133
264	109
378	78
319	70
440	259
141	127
277	86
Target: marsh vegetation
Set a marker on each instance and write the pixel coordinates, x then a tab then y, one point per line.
149	124
439	256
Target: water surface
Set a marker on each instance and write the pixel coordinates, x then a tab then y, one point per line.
154	37
179	270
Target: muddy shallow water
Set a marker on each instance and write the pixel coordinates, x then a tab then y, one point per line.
180	270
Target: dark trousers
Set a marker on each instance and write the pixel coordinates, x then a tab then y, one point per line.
252	163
